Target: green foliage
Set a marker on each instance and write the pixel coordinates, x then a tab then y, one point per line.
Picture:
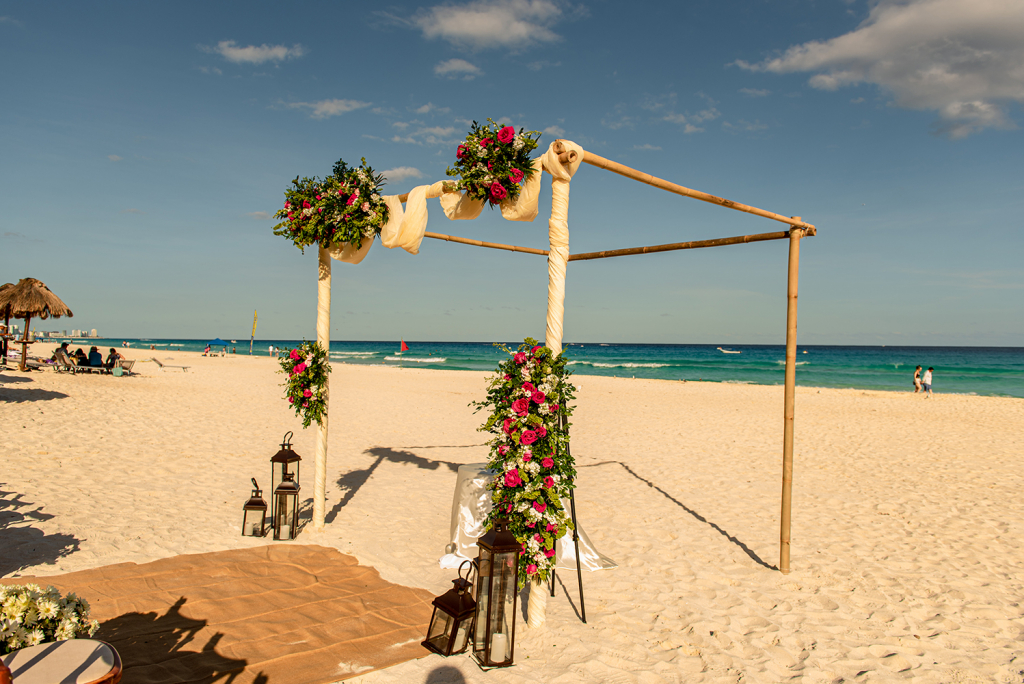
344	207
529	401
306	387
494	161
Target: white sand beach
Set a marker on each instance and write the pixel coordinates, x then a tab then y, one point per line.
908	523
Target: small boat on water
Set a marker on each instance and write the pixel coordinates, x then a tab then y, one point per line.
728	351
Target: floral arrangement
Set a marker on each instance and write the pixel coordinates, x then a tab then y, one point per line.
344	207
30	615
494	161
306	387
528	398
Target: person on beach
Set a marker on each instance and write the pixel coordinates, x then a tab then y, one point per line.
80	358
112	358
206	352
95	358
926	382
917	380
62	349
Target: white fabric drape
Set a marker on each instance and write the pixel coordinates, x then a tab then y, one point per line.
558	238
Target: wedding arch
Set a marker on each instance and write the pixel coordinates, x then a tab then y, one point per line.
406	227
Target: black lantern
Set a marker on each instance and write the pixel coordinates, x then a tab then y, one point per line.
453	617
254	518
286	509
280	465
496	592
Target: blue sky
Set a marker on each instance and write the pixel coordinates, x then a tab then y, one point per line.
145	145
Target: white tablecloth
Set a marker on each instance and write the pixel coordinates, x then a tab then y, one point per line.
472	504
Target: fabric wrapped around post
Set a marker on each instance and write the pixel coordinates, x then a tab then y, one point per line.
558	237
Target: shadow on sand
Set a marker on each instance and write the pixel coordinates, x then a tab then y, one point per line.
153	648
23	546
746	549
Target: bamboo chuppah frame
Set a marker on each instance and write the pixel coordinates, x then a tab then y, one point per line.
798	229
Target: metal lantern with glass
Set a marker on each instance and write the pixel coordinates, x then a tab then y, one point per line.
452	621
286	509
497	590
254	516
281	465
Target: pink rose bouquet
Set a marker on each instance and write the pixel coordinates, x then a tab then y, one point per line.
493	162
306	387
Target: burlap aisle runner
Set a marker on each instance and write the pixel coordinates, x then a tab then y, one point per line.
279	614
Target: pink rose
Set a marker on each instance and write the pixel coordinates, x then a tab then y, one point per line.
512	478
528	386
508	507
300	368
287	205
553	407
542	431
291	400
503	450
460	152
490	166
294	354
339	192
551	528
506	135
498	191
508	377
539	539
531	569
321	210
549	553
531	525
549	482
507	426
515	176
307	393
527	456
520	358
485	142
538	397
534	350
318	196
548	462
353	198
528	437
305	404
539	506
365	206
306	204
521	406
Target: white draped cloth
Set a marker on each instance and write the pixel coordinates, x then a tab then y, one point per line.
471	505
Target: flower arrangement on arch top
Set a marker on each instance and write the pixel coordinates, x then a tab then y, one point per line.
344	207
31	615
494	161
528	398
306	386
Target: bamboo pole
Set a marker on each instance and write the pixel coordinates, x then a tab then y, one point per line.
24	345
623	170
693	244
790	397
323	338
480	243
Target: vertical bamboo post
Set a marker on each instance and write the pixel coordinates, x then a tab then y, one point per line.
323	338
790	396
24	345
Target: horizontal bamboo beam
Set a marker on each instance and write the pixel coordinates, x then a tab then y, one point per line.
623	170
480	243
693	244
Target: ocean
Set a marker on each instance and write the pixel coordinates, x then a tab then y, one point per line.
992	371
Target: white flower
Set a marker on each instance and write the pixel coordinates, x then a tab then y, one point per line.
518	143
375	197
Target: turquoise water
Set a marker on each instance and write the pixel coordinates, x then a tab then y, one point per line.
996	371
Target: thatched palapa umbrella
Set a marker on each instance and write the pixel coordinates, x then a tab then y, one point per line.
30	298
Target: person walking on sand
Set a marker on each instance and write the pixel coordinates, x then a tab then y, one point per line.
917	380
926	382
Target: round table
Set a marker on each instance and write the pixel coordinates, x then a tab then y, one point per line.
76	661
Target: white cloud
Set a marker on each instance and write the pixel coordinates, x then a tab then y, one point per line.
690	128
400	125
744	126
259	215
493	23
211	70
646	147
689	121
963	59
754	92
431	107
457	68
12	20
431	135
327	108
399	174
113	158
254	54
556	131
857	100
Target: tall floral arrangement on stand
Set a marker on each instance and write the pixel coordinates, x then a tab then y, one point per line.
31	615
494	161
529	401
306	386
344	207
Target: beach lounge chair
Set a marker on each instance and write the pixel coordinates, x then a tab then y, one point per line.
125	365
64	363
184	369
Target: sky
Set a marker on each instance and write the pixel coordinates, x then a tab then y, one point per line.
146	146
